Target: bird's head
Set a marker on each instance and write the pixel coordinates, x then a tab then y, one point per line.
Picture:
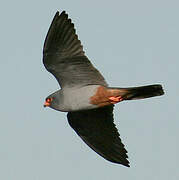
52	100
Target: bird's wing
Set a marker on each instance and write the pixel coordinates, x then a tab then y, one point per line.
97	130
64	57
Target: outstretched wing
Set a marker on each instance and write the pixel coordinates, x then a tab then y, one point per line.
64	57
97	130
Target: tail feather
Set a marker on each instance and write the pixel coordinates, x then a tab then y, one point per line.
141	92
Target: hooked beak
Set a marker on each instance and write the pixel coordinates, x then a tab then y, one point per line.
46	104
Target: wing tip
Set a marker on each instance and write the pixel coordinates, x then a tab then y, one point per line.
57	13
127	165
63	13
124	162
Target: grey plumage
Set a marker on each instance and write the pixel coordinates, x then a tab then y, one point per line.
64	57
82	90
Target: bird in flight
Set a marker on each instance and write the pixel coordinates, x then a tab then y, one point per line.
84	93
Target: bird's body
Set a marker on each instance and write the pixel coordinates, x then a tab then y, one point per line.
72	99
84	93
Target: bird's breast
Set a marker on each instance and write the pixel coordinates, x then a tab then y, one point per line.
76	99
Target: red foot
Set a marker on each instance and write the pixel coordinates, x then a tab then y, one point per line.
115	99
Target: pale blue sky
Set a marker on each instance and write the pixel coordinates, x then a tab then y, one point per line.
132	43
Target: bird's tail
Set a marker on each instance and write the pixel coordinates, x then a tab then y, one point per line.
141	92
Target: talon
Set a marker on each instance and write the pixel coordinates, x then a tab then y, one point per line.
115	99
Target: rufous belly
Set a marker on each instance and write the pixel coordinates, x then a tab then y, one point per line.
105	96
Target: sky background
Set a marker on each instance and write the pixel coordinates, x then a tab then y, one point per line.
132	43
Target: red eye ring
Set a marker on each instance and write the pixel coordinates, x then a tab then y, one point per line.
49	100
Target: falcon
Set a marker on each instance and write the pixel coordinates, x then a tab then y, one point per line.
84	93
